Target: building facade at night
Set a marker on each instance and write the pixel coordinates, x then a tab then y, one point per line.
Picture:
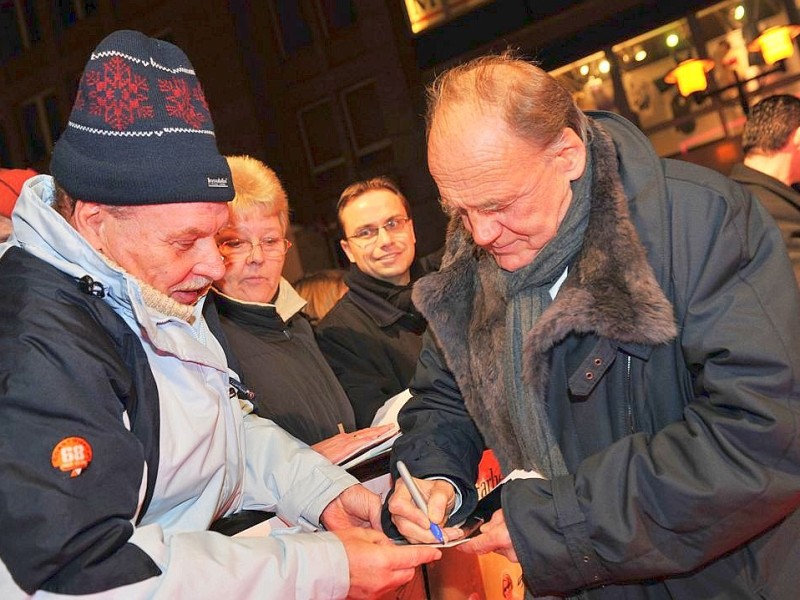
330	91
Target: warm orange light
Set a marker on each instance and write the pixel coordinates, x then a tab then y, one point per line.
690	75
775	43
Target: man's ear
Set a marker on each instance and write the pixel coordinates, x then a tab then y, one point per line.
88	219
572	154
346	247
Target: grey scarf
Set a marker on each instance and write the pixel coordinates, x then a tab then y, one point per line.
525	293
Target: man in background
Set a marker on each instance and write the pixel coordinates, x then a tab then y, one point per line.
771	146
372	336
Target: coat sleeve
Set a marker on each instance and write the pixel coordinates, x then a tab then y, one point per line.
68	529
439	437
652	506
285	476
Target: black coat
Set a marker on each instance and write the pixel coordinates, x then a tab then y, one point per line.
781	201
281	363
371	338
40	303
670	366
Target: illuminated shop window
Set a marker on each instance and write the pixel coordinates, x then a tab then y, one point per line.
728	28
589	81
424	14
644	61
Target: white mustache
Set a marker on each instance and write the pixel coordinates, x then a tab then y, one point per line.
194	285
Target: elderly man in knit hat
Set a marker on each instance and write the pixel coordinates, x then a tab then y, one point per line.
124	431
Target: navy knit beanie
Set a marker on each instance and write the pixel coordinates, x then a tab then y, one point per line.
140	131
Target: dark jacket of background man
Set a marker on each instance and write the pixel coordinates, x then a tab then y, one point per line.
781	201
372	338
771	166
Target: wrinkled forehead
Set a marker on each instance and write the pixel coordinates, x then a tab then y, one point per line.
450	117
464	137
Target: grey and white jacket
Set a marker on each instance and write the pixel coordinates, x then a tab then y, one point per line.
171	449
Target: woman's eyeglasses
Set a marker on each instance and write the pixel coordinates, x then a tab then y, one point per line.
238	248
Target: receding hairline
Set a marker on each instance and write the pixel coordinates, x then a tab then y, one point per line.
531	102
477	84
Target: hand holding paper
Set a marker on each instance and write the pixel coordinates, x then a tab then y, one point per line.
378	566
494	537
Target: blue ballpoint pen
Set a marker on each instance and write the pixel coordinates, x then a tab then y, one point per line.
416	495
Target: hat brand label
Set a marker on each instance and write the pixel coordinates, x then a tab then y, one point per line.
217	182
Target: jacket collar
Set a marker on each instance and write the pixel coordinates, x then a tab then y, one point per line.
42	232
747	175
373	295
611	289
265	315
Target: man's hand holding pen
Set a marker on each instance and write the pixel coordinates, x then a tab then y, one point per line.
412	522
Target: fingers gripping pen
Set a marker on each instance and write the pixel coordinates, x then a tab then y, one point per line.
416	495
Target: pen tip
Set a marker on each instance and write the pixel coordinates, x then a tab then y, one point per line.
437	533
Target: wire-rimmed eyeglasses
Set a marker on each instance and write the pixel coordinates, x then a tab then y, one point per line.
367	235
239	248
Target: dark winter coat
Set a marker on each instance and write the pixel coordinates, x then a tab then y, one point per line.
69	319
280	361
371	343
670	365
781	201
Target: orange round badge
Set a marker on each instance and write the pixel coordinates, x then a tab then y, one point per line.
72	454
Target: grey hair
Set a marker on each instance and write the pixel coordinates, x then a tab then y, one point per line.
533	103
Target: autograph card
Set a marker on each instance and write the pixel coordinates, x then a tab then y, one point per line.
470	527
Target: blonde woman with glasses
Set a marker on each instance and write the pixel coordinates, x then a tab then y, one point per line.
263	323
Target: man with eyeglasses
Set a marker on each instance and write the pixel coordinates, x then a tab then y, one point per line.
372	336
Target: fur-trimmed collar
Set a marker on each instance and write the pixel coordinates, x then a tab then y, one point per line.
611	291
